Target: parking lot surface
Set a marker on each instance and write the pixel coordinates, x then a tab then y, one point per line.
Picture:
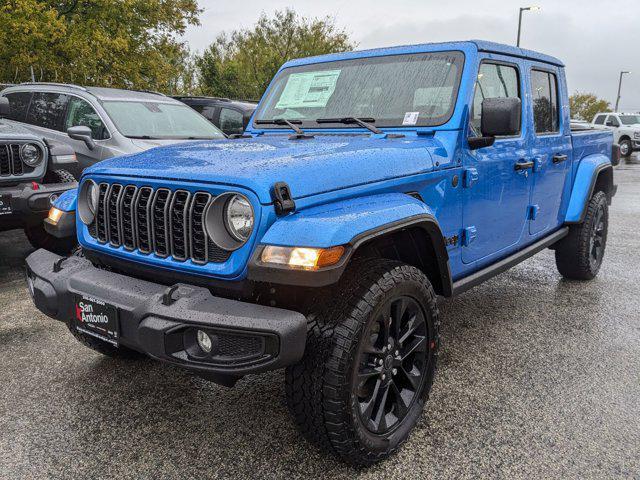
539	378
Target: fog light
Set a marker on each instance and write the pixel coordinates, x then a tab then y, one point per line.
204	341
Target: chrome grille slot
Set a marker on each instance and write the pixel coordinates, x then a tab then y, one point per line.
165	222
101	217
114	196
159	224
126	217
178	222
199	239
15	160
142	206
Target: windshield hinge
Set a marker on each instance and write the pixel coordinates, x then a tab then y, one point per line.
282	200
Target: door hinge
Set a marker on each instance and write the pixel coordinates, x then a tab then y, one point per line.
469	177
282	200
533	211
469	234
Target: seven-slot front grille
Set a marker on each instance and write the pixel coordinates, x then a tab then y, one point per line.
10	163
161	221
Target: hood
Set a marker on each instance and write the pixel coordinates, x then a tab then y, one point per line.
309	166
10	131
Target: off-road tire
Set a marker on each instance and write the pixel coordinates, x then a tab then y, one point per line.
103	347
319	389
59	176
574	253
39	238
625	146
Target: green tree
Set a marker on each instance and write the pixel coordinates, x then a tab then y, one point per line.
240	64
584	106
121	43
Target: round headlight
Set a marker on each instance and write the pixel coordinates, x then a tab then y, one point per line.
229	221
88	201
31	155
238	218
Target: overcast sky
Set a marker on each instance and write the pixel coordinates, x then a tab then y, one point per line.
596	39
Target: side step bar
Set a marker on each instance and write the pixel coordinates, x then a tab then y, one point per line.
505	264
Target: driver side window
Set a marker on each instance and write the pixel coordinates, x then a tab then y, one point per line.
494	81
80	113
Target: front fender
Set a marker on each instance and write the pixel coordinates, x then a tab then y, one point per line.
67	201
349	222
589	169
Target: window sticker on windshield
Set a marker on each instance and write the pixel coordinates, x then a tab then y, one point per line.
308	89
410	118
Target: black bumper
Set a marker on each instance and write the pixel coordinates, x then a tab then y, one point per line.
30	205
161	321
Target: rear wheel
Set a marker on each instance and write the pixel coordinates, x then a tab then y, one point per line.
579	255
369	362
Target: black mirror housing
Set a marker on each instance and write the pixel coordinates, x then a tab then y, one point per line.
5	107
83	134
501	117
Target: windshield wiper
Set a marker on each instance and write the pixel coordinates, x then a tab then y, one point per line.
363	122
292	124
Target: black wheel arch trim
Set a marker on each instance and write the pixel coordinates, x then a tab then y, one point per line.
594	179
260	272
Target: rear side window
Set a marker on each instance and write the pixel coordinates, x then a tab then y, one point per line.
544	96
80	113
231	121
600	119
47	110
18	105
494	81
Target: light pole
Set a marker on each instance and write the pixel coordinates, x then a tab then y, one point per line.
532	8
619	88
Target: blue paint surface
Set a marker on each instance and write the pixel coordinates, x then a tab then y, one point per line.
67	201
346	181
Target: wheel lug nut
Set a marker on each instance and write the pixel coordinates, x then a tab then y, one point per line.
384	376
389	346
397	353
394	371
380	362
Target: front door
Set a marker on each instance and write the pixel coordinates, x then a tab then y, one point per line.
551	149
496	194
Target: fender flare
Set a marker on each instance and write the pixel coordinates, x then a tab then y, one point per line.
351	223
589	170
67	201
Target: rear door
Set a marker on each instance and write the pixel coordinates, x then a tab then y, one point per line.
496	195
550	147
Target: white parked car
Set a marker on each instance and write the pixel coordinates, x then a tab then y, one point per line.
625	127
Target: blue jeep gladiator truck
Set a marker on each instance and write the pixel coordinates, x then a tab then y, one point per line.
367	184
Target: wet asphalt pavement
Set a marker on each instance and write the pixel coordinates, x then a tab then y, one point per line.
539	377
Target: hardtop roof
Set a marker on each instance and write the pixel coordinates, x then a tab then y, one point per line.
479	45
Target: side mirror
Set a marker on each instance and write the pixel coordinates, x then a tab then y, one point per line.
83	134
5	108
500	117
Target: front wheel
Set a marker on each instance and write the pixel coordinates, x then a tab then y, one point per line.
625	147
39	238
579	255
369	362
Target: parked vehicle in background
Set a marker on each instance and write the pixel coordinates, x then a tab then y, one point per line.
230	116
367	184
33	172
625	128
101	123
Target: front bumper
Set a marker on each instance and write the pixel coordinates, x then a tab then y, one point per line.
30	205
160	321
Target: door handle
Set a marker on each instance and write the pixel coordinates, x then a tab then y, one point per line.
523	165
559	158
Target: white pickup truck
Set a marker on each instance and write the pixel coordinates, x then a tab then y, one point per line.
625	128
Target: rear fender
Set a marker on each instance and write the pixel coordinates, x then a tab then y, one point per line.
593	170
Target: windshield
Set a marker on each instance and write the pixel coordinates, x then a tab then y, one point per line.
630	119
392	91
151	120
